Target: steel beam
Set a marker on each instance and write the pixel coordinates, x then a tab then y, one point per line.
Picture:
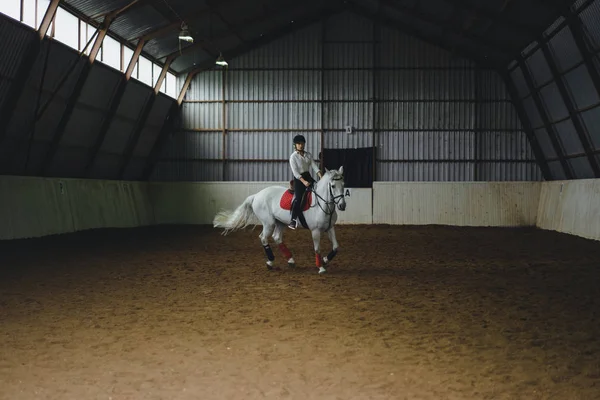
190	17
163	74
167	129
24	71
414	12
526	123
115	102
186	86
199	44
47	20
141	121
574	23
523	29
573	114
165	134
78	88
428	160
445	44
271	36
73	98
204	44
544	115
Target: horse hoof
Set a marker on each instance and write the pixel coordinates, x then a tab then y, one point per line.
291	265
322	270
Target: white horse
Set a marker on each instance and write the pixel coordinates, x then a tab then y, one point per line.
264	208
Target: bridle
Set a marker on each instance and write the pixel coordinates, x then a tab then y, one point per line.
335	200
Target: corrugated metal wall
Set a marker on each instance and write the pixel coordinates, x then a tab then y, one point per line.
430	115
12	48
27	141
560	92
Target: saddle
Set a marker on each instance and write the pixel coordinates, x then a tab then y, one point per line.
288	196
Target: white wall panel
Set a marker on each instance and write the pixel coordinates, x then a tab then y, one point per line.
34	207
459	204
571	207
198	203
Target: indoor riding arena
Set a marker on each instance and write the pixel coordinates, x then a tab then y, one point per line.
448	248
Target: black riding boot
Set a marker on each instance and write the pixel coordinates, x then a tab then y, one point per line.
299	189
293	223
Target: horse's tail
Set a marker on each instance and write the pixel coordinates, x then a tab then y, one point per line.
238	219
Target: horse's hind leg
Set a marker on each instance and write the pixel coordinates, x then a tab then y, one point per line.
264	239
278	238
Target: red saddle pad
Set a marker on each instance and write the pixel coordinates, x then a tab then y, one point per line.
287	197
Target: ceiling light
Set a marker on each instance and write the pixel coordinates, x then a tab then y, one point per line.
185	34
221	61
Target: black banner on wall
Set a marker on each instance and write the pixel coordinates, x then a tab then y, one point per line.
358	165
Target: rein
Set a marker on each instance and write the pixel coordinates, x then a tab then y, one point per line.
328	203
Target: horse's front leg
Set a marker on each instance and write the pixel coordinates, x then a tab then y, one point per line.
334	246
316	235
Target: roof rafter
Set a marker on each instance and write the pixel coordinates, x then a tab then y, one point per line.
189	17
202	44
301	23
448	26
496	17
409	30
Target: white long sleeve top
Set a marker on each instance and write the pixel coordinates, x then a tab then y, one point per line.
302	163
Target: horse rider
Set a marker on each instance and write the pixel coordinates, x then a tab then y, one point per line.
301	162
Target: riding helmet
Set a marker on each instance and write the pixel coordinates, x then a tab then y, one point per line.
299	139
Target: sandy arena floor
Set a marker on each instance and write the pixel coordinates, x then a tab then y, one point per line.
405	313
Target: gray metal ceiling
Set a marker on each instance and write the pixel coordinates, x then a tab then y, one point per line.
491	32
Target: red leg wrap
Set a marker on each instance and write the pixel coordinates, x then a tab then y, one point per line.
285	251
318	260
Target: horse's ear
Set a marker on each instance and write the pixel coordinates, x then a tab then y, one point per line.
341	170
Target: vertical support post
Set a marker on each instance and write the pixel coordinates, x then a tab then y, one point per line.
115	102
477	123
322	94
574	23
542	110
375	94
224	124
527	127
575	117
24	71
167	129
